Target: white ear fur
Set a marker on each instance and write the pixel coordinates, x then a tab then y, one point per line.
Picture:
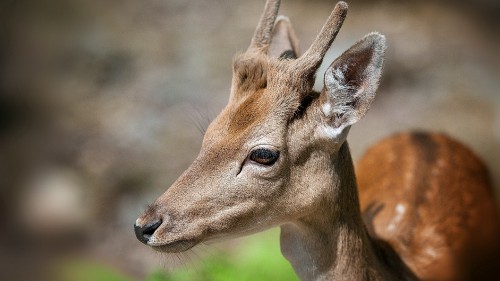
284	41
351	82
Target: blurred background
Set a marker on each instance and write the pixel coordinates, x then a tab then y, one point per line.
103	104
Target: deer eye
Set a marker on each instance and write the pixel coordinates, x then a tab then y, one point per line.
264	156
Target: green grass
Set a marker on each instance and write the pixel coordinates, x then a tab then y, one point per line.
258	258
88	271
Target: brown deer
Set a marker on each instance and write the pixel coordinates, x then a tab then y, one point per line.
277	156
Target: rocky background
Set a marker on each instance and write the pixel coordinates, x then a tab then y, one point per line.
103	104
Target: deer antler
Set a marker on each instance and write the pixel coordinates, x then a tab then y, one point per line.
310	61
313	57
263	33
303	68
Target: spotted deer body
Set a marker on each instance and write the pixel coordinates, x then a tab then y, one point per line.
430	198
277	156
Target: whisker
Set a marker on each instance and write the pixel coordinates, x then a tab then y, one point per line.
165	261
207	250
170	262
180	261
197	123
198	257
201	117
194	263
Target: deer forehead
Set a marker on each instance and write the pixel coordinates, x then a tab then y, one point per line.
248	112
259	118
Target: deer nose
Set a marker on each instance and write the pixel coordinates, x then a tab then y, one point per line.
144	233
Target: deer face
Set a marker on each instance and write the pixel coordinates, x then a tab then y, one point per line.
257	165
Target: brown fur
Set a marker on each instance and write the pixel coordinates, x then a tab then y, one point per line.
446	226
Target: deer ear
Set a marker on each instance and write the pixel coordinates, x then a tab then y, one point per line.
284	43
351	82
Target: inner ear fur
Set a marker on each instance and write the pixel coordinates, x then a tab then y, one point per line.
352	80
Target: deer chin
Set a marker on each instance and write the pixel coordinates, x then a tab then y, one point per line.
175	246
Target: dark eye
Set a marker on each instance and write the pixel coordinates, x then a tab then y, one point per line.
264	156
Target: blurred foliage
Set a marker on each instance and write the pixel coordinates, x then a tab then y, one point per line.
86	271
258	258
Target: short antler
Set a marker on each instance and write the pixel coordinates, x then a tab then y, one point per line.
263	33
310	61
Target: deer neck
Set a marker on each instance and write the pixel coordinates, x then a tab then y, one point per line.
332	242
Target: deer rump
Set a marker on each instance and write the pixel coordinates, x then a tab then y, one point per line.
430	198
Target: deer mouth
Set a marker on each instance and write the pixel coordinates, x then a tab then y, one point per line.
175	246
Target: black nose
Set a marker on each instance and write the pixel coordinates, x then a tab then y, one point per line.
143	233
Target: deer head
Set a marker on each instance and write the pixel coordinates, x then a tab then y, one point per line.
263	158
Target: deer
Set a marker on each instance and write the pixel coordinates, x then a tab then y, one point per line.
420	208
